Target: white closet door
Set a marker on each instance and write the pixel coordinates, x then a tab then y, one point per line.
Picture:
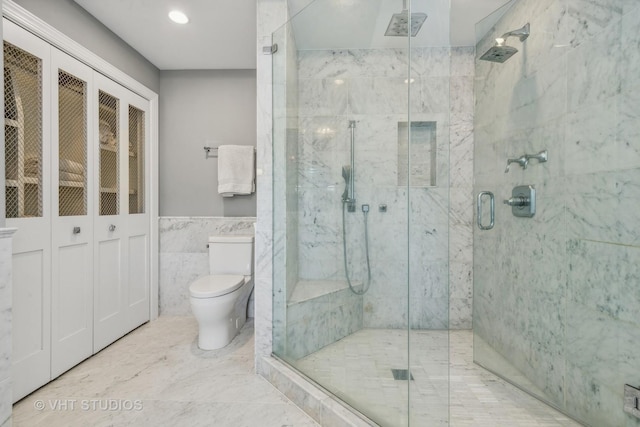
28	184
137	281
72	208
110	252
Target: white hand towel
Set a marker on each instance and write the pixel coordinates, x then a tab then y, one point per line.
236	170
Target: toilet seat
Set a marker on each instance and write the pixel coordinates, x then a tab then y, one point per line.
215	286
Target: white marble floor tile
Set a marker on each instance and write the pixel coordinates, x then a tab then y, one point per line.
157	376
358	368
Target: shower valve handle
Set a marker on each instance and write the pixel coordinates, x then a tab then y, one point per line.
518	201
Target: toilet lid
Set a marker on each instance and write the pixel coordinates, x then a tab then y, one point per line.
214	286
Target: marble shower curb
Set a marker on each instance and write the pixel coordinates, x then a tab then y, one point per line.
314	401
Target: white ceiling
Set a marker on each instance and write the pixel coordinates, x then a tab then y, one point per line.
221	34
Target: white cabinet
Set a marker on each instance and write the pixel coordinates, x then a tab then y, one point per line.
78	190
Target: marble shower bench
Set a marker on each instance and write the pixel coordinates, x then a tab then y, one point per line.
321	312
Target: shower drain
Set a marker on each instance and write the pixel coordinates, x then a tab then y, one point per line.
401	374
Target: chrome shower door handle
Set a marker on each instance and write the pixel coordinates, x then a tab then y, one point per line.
492	210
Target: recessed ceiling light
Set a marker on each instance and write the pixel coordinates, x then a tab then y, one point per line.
178	17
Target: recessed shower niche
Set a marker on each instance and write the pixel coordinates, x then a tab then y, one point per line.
421	142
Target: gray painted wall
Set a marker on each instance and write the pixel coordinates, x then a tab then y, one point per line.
72	20
198	108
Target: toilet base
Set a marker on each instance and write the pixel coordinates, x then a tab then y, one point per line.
221	318
217	336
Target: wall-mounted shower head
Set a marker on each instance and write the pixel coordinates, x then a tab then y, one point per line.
501	52
521	33
399	23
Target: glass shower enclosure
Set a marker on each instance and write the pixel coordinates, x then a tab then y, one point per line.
361	204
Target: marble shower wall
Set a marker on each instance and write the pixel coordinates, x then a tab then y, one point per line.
184	256
557	295
285	180
368	86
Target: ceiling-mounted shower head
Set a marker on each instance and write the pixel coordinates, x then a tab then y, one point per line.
501	52
398	25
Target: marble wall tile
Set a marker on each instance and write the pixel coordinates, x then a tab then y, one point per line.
184	255
6	396
378	102
587	19
594	68
462	61
552	302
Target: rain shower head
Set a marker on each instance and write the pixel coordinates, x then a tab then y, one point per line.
399	23
501	52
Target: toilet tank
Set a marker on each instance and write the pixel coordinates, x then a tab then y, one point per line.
231	255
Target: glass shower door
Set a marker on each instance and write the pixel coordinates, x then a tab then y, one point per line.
361	196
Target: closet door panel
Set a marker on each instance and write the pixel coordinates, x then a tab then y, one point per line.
110	269
30	324
138	214
28	202
138	281
109	313
72	222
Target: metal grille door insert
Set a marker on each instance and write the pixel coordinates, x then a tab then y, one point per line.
72	136
23	132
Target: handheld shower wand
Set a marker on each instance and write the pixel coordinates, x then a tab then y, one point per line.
349	204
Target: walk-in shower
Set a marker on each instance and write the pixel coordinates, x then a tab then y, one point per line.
378	267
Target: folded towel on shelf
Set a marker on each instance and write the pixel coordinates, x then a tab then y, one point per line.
73	177
70	166
107	137
236	170
32	166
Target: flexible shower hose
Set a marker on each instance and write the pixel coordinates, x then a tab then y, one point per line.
344	251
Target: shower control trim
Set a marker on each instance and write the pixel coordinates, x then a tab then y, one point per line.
522	201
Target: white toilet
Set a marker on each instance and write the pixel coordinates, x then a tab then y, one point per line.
219	301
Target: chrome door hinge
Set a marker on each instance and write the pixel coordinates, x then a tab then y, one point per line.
270	50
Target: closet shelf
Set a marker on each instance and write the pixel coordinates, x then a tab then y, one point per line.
113	149
76	184
111	190
11	123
